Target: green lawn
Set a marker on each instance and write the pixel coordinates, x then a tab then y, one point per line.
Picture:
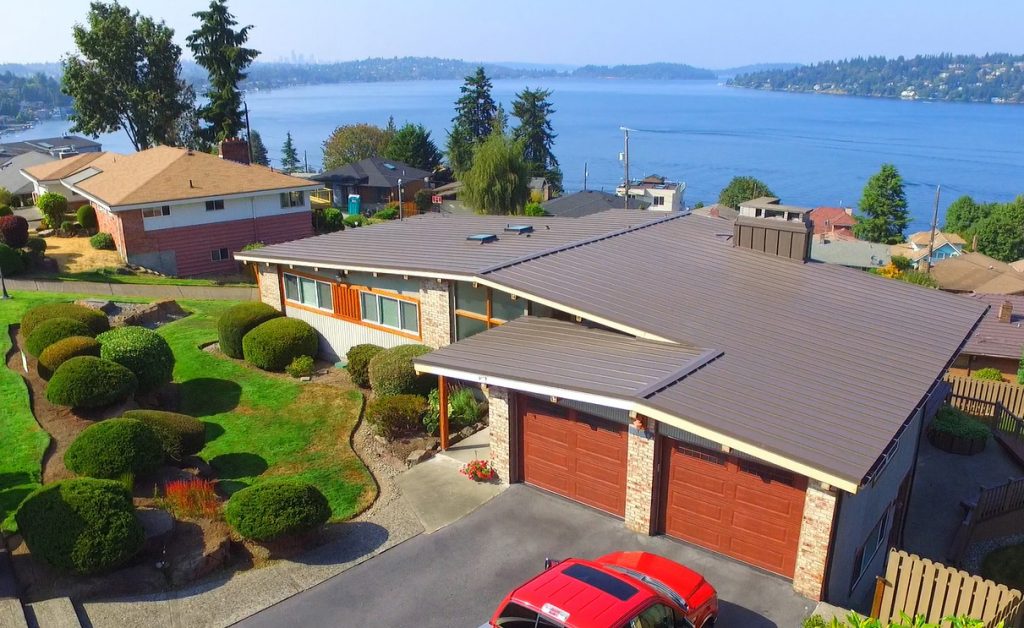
110	275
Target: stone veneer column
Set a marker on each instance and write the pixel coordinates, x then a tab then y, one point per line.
435	313
270	286
815	537
499	419
640	478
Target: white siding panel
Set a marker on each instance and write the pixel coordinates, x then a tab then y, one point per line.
186	214
338	336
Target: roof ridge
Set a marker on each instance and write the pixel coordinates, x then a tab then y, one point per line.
182	152
706	357
578	243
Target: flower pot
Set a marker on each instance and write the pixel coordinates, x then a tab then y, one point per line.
956	444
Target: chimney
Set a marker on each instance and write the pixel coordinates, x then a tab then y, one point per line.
1005	312
765	226
235	150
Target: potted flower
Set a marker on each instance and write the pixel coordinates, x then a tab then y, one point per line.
479	471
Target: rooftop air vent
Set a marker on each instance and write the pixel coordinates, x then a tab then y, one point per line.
389	166
518	229
482	238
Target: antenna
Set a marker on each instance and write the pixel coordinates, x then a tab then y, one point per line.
625	160
248	132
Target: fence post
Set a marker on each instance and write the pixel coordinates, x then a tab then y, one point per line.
876	603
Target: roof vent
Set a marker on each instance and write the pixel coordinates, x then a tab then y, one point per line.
483	238
389	166
518	229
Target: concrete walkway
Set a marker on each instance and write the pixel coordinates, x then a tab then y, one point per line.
440	495
203	293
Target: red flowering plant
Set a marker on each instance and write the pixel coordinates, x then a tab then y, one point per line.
191	499
479	471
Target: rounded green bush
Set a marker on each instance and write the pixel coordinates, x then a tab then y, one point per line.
392	373
5	210
302	366
142	351
53	206
95	319
988	375
239	320
89	382
11	263
354	220
52	330
81	525
114	447
277	508
63	350
102	241
87	217
180	434
396	415
955	422
332	220
358	362
13	231
273	345
36	244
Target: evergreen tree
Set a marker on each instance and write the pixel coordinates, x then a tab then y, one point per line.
533	109
741	190
499	124
289	156
475	109
259	150
883	208
219	48
498	182
460	149
125	75
411	144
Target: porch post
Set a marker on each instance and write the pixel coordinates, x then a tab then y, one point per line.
442	403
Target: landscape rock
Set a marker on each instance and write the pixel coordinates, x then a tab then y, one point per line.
158	525
201	467
150	314
203	547
102	305
418	456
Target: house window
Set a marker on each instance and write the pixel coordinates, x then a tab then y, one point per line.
293	199
308	291
215	205
220	255
478	308
390	312
156	212
658	201
866	552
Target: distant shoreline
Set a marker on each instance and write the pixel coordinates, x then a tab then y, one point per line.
872	96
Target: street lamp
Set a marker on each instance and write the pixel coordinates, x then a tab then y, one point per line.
400	212
625	160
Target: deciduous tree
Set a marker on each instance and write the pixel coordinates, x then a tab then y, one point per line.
741	190
963	213
411	144
534	110
289	156
352	142
1001	233
883	208
498	181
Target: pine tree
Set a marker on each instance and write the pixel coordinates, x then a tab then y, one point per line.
533	109
258	149
475	109
883	208
289	156
219	48
460	149
411	144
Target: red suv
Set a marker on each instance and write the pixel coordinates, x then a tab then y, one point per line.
620	590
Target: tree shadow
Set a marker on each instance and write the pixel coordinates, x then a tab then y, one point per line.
345	542
730	614
213	431
238	465
204	396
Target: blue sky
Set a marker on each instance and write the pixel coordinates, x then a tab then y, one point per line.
715	34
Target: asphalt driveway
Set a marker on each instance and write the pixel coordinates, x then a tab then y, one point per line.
455	577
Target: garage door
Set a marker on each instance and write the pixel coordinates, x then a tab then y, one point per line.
576	455
749	511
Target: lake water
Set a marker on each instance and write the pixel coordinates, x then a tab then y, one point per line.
810	149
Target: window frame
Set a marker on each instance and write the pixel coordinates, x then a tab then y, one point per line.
864	555
378	322
659	201
156	212
488	317
223	254
211	205
319	307
295	198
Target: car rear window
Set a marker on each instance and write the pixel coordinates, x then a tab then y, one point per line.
602	581
516	616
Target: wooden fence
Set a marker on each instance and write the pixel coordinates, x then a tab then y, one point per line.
1011	396
992	502
918	586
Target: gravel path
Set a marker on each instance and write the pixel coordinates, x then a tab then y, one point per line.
977	552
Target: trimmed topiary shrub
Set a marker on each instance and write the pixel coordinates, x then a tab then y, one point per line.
358	359
391	372
180	434
87	217
273	345
13	231
301	366
81	525
89	382
114	447
142	351
96	320
239	320
53	206
50	331
396	415
11	263
102	241
277	508
37	245
63	350
988	375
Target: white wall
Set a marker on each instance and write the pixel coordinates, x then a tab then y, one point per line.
58	188
338	336
186	214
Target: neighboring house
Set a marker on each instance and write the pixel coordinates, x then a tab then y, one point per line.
681	376
975	272
659	192
47	177
946	245
181	212
376	181
999	339
849	252
13	181
717	210
836	221
55	147
589	202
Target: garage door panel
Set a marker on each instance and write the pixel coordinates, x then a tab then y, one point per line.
685	505
743	520
688	482
750	551
697	531
767	504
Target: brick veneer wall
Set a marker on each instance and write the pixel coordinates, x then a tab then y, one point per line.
435	313
499	418
640	478
815	539
270	286
109	222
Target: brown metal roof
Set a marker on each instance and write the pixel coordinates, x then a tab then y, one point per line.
560	354
994	338
436	243
788	383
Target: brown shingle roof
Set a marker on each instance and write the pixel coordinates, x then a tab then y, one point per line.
975	272
994	338
54	170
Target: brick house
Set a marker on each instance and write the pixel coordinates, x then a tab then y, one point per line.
181	212
376	181
655	368
48	177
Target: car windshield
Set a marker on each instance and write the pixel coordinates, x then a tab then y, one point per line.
654	583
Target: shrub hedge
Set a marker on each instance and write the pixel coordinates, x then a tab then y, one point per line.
358	363
114	447
396	415
63	350
52	330
988	375
53	206
273	345
302	366
89	382
952	421
392	373
463	410
87	217
332	220
277	508
81	525
354	220
102	241
11	263
237	321
180	434
142	351
13	231
96	320
36	244
5	210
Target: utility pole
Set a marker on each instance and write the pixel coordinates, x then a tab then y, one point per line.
248	132
585	173
935	219
625	160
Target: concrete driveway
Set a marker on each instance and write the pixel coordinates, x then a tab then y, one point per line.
457	575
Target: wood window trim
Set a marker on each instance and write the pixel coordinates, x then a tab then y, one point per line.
303	306
488	317
398	297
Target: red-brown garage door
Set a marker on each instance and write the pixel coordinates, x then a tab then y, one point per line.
743	509
576	455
